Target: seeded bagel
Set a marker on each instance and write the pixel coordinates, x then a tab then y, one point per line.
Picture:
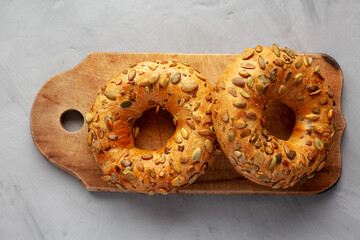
243	91
173	86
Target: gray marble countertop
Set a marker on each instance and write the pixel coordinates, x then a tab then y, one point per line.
39	39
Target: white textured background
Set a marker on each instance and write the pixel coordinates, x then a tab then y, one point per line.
39	39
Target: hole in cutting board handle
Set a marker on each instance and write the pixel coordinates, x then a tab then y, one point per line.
72	120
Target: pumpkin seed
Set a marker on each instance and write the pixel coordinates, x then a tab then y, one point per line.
240	124
88	117
184	133
281	89
238	82
330	114
249	82
178	139
323	101
298	78
196	154
194	178
316	109
276	50
244	73
272	163
231	135
318	129
310	61
164	81
89	139
261	175
129	175
258	48
306	60
237	154
258	157
251	115
190	123
140	166
251	167
109	123
299	96
152	172
279	62
154	78
111	95
152	66
247	65
232	91
279	184
112	137
244	94
312	117
162	190
126	163
200	76
126	104
132	74
248	54
312	88
189	87
100	133
273	74
262	62
239	104
176	78
298	64
260	88
208	146
204	132
317	70
269	150
289	52
196	116
245	132
147	156
225	117
319	144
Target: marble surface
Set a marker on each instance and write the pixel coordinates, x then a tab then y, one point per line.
39	39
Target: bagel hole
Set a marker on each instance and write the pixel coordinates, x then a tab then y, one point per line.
155	129
279	119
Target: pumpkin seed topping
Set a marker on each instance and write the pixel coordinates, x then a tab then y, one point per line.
126	104
276	50
248	54
176	78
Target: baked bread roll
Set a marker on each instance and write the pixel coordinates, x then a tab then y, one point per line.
173	86
243	91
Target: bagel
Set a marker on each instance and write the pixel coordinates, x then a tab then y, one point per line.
244	90
173	86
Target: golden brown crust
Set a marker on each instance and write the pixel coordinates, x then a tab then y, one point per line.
247	84
174	86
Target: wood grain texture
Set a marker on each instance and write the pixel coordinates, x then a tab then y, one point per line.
77	89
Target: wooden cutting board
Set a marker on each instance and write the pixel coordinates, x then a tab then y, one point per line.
77	89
